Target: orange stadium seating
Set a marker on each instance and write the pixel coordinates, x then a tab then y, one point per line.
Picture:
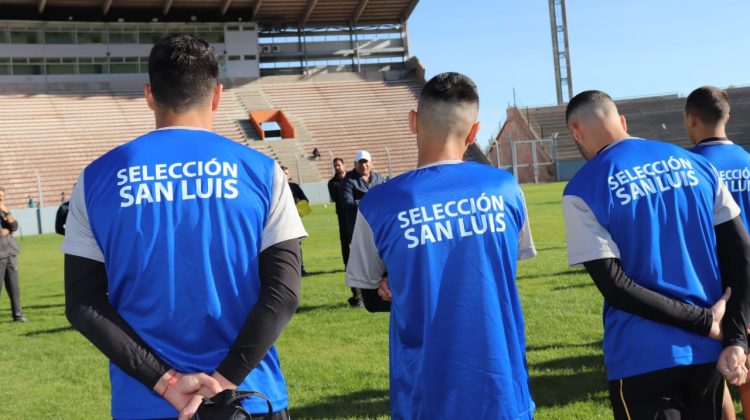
56	135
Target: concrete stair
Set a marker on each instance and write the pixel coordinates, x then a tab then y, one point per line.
293	153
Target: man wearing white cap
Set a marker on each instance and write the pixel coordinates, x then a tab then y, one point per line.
356	184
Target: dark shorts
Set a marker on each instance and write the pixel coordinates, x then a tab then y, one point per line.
279	415
679	393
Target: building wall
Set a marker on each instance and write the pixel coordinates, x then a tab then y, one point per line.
516	128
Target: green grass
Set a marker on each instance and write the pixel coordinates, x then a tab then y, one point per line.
335	359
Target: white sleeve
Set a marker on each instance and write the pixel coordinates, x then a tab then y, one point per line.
587	239
283	221
79	239
725	208
526	247
365	268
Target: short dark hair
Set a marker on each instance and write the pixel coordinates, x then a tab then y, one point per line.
337	159
709	104
585	98
450	87
284	168
182	70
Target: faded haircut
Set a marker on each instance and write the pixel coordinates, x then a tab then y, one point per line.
588	99
709	104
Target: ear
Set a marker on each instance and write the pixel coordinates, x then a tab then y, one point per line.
624	123
575	131
217	97
149	96
472	137
413	121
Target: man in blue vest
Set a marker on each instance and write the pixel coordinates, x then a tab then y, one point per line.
706	115
658	232
182	252
448	234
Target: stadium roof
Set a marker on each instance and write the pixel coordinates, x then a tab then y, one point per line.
307	13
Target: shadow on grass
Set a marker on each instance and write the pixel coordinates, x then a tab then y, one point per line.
573	286
593	361
52	305
558	273
551	390
366	403
316	273
596	344
57	295
50	331
314	308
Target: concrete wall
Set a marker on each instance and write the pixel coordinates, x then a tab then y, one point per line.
30	221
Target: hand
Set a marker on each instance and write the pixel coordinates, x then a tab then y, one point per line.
224	383
188	389
384	291
731	365
717	311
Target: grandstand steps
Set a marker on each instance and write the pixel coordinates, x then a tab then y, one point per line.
293	153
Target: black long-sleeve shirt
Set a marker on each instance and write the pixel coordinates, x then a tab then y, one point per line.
733	251
89	311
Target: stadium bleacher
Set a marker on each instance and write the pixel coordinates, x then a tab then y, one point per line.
654	117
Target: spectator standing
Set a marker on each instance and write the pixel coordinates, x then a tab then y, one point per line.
9	251
299	197
334	191
353	189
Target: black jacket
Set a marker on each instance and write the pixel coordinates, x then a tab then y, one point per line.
353	189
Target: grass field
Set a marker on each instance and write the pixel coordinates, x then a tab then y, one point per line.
334	358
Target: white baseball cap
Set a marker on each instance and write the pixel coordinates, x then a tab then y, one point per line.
362	154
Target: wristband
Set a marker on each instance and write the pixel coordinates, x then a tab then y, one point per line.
172	380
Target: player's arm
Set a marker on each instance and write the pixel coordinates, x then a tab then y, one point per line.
279	268
733	251
590	244
89	311
621	292
365	269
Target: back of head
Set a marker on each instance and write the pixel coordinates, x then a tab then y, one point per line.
709	104
590	106
448	105
183	70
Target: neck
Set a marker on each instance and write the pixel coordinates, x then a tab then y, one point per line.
431	151
191	118
711	132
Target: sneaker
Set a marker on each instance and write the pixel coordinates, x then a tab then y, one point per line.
355	303
20	319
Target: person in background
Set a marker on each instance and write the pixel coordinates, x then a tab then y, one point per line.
356	184
706	116
9	251
334	191
61	218
298	196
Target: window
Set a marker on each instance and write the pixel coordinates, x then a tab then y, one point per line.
250	57
25	37
150	37
123	37
4	66
61	69
55	37
211	37
90	38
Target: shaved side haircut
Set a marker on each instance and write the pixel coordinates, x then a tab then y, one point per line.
709	104
449	103
590	103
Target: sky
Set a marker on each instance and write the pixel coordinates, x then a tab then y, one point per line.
626	48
